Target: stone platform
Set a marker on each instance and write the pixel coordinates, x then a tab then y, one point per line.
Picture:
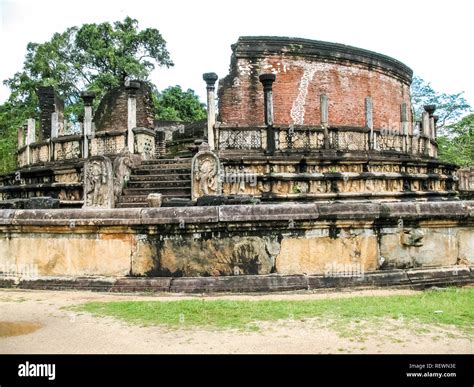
347	239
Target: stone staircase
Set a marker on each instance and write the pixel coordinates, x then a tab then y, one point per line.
168	176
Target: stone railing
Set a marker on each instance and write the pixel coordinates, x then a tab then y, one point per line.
71	147
466	179
306	139
60	148
108	142
237	139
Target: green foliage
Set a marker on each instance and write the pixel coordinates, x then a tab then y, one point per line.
455	134
96	57
174	104
449	107
458	146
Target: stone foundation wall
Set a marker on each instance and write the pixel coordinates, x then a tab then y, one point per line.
324	238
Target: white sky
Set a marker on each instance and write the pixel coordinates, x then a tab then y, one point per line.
434	38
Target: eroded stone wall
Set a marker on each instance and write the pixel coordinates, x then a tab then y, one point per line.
237	240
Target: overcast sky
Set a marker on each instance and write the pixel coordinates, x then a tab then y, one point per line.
434	38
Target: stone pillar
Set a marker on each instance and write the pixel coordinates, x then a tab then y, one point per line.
435	119
211	79
267	82
430	109
369	122
88	98
30	137
425	132
21	137
31	132
132	88
54	125
324	110
404	124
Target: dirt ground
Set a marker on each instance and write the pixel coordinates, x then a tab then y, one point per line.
33	322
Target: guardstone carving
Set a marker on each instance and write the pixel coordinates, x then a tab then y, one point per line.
206	173
98	183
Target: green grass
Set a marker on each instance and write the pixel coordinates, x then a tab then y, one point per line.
442	307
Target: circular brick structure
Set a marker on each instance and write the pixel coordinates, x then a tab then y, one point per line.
304	70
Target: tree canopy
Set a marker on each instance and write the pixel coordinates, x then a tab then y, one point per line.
449	107
174	104
96	57
455	128
458	146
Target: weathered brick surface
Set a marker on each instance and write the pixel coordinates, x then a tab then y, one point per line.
112	112
343	73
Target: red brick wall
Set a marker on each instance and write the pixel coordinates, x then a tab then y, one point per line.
296	92
112	112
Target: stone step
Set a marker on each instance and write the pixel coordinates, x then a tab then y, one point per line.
168	191
132	205
159	177
142	198
158	185
165	166
166	161
160	171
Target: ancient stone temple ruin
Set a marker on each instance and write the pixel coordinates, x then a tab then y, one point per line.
313	161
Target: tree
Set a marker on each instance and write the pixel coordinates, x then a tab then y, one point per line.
458	147
449	107
174	104
96	57
455	133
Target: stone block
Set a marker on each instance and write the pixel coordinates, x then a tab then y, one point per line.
154	200
314	255
41	203
466	246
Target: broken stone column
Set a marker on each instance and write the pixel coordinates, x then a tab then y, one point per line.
54	125
49	103
30	137
430	109
21	137
324	108
426	128
211	79
369	122
267	82
31	131
132	88
404	124
88	98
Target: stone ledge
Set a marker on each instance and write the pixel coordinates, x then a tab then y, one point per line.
366	211
412	278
